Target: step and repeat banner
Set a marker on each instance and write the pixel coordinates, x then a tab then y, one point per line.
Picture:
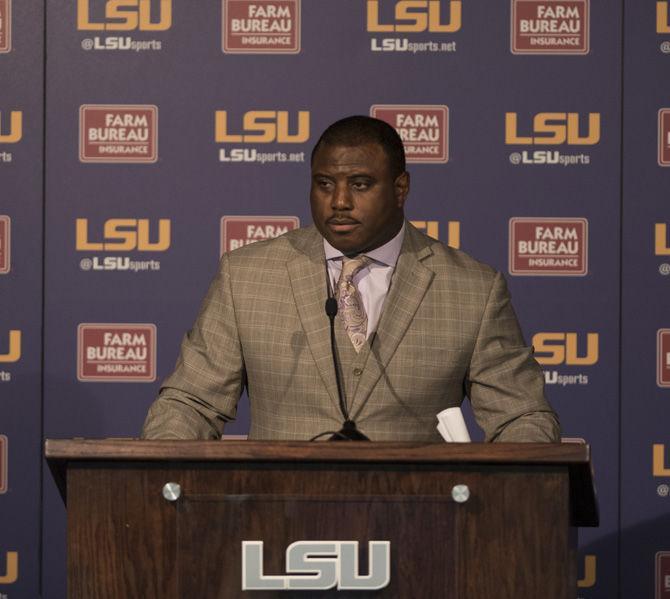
645	300
141	139
21	294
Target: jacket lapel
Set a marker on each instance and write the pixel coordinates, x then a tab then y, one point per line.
409	284
307	275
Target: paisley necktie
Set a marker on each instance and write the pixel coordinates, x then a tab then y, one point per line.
350	303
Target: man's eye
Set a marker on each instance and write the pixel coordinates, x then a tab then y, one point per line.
360	185
324	183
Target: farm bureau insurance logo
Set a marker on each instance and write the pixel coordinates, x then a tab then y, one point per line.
566	349
115	16
116	353
5	26
5	244
260	128
122	235
551	129
663	358
548	246
664	137
4	450
424	129
663	575
238	231
261	26
118	133
550	27
416	17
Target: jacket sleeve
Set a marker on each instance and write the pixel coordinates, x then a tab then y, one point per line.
504	383
202	393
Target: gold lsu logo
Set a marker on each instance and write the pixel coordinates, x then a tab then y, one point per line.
125	15
11	574
661	241
15	132
14	352
124	234
416	16
432	229
263	127
552	349
588	580
659	466
553	129
662	25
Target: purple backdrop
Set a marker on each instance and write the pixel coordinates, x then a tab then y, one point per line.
528	148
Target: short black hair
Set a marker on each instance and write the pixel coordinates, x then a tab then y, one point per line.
359	129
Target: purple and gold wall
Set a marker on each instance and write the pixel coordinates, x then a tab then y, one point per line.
141	138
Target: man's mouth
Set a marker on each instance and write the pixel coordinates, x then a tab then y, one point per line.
342	225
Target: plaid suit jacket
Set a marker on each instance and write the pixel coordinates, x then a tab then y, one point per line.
447	330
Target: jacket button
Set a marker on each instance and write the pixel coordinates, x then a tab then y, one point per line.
358	372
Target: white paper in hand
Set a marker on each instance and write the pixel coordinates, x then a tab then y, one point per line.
452	427
444	432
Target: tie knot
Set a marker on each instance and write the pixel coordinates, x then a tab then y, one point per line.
350	266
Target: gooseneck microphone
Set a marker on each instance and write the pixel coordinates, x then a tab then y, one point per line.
348	432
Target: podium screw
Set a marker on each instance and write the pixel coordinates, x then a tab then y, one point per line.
171	491
460	493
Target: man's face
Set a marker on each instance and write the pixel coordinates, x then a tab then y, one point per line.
356	203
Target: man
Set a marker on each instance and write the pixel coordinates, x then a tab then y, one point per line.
418	324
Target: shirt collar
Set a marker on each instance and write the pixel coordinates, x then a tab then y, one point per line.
386	254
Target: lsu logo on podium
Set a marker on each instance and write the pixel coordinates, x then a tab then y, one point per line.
263	127
14	133
553	129
124	15
261	26
4	451
556	27
424	130
553	349
13	352
432	229
116	352
334	564
5	244
415	16
11	569
238	231
663	358
124	235
5	26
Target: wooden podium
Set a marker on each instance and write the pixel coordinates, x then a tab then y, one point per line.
167	519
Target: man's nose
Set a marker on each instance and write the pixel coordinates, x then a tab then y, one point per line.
341	199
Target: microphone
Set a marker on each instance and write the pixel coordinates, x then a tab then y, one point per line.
348	432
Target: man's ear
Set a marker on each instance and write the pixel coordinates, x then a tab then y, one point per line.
401	187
